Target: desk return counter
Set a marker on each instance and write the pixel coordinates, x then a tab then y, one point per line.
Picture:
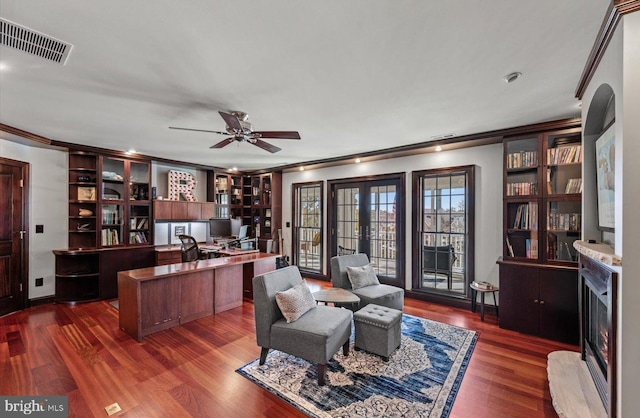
157	298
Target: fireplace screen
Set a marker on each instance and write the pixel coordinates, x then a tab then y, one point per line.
597	330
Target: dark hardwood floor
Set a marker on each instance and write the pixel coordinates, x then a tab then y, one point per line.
189	370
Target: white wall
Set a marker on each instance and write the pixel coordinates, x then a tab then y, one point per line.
48	191
159	179
619	69
488	162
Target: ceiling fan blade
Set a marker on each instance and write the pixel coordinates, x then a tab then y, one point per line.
199	130
278	134
266	146
232	121
223	143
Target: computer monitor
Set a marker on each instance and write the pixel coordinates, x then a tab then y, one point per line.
244	232
220	227
236	223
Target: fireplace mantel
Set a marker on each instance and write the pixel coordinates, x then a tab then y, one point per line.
599	252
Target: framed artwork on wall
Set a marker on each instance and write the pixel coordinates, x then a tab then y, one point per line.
605	178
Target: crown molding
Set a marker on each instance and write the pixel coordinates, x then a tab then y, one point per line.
616	10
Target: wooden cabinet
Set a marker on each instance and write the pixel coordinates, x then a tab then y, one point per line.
163	313
124	202
83	200
77	276
225	190
171	210
541	219
109	225
540	300
87	275
542	197
266	206
157	298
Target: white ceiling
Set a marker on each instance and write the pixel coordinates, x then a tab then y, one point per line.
350	76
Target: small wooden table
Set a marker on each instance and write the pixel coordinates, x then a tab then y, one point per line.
474	292
337	296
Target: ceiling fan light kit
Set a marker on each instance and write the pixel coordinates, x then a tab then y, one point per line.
242	131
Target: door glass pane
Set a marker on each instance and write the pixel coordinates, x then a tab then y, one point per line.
308	226
381	231
443	220
348	207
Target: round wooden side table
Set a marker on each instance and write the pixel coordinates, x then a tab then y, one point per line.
337	296
475	289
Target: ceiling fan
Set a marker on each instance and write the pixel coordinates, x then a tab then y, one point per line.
242	131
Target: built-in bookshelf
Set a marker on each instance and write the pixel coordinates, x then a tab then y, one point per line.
542	215
526	236
225	190
82	199
109	216
125	206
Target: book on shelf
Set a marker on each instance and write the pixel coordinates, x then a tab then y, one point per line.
509	247
568	154
526	216
137	238
574	186
110	237
522	159
522	189
531	248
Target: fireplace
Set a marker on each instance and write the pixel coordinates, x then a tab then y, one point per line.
598	307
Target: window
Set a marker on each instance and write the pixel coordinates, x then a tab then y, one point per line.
307	228
443	225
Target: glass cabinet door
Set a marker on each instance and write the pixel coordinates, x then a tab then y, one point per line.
138	181
564	221
522	167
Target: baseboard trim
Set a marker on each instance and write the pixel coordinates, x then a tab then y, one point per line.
41	301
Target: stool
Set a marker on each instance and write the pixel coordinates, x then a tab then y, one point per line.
377	330
474	292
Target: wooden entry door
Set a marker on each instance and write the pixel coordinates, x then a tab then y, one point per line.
12	236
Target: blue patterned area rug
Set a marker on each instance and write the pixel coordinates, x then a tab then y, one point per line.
421	378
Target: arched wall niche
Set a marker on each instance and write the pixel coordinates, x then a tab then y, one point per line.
602	111
600	115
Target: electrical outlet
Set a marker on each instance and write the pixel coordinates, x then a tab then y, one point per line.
39	229
39	281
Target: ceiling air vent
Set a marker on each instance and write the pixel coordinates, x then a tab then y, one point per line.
32	42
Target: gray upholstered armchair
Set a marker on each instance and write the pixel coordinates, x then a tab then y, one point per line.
379	294
316	336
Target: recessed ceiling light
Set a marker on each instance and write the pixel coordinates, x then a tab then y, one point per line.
357	160
510	78
4	66
438	148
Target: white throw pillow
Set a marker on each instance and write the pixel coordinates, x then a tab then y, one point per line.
362	276
295	302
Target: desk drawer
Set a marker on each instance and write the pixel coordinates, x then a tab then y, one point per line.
168	257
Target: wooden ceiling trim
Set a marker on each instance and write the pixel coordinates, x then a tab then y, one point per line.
24	134
616	10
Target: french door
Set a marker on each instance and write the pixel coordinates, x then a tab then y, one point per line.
367	217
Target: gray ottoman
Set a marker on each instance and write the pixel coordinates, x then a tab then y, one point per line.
377	330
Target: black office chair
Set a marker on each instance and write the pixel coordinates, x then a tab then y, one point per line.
345	251
190	250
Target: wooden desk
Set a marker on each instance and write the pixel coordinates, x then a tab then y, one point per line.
156	298
171	254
